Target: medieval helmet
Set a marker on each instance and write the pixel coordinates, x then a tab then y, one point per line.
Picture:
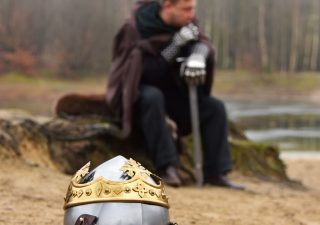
118	192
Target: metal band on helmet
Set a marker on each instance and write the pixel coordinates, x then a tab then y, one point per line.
136	189
119	191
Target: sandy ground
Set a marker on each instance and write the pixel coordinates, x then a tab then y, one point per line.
33	195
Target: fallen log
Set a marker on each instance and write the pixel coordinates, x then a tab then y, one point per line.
67	144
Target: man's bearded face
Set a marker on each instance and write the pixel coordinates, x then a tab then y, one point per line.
181	13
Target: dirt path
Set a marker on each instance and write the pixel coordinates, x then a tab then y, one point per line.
33	195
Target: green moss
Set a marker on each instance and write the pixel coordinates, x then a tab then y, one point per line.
257	159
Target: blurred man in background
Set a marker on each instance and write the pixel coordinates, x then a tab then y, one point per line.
147	79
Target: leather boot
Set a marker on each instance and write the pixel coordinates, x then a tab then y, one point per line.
170	176
223	181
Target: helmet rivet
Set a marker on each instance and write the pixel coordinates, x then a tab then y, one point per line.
152	193
127	189
107	191
88	192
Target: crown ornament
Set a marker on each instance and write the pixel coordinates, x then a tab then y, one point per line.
137	188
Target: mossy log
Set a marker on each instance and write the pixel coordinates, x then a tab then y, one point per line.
68	144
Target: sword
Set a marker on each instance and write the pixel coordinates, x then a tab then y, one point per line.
196	138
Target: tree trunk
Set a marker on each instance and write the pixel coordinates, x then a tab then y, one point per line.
262	36
294	37
315	36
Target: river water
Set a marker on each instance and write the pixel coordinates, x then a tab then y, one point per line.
293	126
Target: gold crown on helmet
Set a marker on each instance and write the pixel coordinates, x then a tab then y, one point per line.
136	189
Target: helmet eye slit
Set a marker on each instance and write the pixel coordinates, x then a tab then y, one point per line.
88	178
125	176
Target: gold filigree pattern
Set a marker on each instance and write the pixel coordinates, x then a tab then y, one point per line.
81	173
141	189
132	168
136	189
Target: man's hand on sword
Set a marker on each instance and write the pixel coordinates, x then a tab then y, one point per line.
193	70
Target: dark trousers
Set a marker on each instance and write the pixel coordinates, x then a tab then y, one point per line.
154	104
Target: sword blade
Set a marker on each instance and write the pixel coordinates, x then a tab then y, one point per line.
196	138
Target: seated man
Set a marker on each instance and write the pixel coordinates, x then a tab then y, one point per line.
146	78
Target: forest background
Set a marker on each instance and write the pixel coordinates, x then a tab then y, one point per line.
68	37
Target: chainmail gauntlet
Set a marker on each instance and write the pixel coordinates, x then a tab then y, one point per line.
170	52
186	34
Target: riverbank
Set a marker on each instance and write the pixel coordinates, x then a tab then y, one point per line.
34	195
275	87
300	155
37	94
